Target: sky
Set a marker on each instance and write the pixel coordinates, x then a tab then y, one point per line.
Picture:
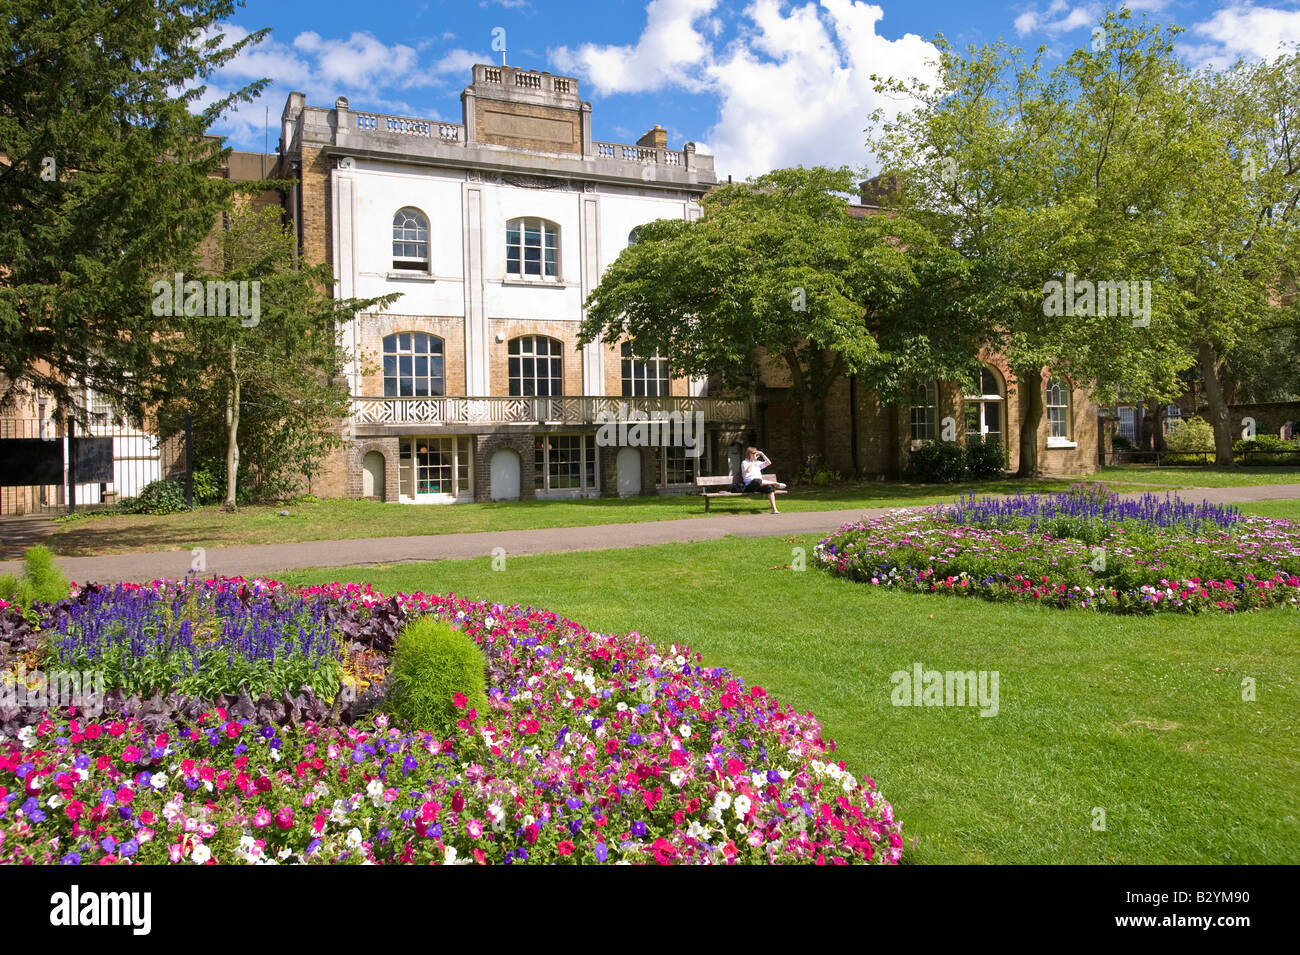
759	84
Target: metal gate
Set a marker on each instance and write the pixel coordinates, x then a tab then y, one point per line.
51	466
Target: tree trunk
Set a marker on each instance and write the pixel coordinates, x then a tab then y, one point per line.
1212	369
232	433
799	407
1031	416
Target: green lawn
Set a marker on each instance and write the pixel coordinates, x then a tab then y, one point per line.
338	519
1140	717
1197	476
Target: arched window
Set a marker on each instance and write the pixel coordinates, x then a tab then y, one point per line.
532	249
923	404
644	378
413	366
536	367
1058	409
985	404
634	236
410	241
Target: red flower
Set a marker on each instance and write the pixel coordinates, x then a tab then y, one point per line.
734	767
530	833
284	818
457	801
460	700
565	847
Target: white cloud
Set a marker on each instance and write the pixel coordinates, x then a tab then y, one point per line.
669	46
1244	30
1060	17
794	87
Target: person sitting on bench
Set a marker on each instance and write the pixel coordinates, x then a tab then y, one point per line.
751	476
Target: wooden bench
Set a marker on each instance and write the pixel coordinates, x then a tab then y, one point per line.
722	485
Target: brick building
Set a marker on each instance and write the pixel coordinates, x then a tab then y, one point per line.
494	230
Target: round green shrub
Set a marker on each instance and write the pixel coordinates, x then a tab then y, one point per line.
986	458
432	662
1192	435
158	497
209	481
939	462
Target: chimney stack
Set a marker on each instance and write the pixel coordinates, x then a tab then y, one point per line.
657	138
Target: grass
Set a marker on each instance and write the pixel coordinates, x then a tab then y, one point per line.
340	519
1141	717
1198	476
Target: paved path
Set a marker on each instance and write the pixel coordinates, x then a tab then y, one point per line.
260	559
21	532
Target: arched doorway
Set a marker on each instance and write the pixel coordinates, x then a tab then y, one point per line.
504	478
372	475
628	465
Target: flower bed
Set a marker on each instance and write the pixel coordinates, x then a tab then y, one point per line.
1081	549
594	748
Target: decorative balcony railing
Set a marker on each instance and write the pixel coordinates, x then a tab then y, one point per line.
410	126
583	410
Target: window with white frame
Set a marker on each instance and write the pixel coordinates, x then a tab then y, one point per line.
634	236
674	466
532	249
564	462
435	467
1058	409
984	406
413	365
410	241
923	403
535	367
1173	416
644	377
1127	426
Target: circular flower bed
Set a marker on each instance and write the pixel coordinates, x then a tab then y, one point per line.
1085	548
593	748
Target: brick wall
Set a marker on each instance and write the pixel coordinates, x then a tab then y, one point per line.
375	327
528	126
487	445
498	351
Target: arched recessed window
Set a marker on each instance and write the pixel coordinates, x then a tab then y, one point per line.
985	404
924	402
413	365
536	367
1058	408
532	249
410	241
634	236
644	378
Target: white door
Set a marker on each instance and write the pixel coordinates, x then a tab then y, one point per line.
505	476
628	464
372	475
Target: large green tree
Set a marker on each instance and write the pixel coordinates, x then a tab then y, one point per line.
1234	249
1039	176
261	380
108	180
778	267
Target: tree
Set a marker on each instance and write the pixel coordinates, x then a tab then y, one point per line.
1234	252
109	181
260	380
778	266
1047	177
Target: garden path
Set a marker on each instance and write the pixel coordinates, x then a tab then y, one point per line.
250	561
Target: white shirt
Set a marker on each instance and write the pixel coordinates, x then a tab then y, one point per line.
751	470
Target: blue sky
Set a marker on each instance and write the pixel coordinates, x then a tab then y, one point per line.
757	83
